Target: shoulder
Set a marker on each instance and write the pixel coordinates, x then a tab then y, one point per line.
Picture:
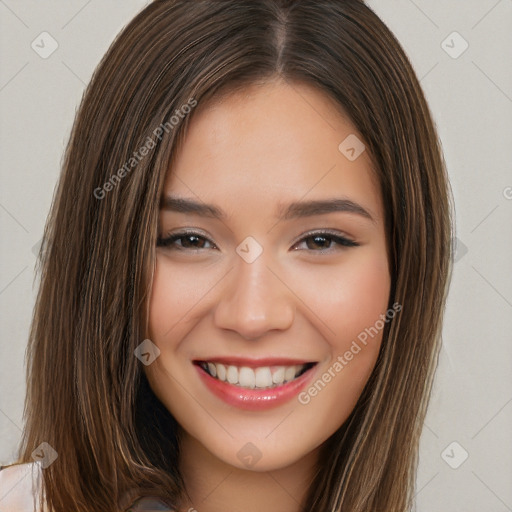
149	505
20	487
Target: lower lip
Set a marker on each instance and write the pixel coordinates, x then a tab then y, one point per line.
255	399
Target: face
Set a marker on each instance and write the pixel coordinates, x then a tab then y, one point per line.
258	309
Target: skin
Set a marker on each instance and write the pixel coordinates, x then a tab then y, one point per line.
254	150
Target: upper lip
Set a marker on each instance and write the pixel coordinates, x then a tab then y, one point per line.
255	363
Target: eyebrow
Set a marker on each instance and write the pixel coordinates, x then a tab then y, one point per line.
294	210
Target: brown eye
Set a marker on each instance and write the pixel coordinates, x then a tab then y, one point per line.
189	241
324	240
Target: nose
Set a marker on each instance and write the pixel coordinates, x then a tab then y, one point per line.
254	300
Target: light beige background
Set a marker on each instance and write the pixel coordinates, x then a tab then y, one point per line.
471	99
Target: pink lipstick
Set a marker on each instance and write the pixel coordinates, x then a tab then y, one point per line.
255	384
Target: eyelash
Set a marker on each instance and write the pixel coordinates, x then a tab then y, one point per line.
329	235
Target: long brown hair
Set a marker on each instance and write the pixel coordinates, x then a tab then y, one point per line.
86	392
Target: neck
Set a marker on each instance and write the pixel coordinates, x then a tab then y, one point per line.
214	486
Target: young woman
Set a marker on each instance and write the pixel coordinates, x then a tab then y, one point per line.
244	270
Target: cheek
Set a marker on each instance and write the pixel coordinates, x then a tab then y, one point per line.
352	310
164	308
348	298
175	295
364	297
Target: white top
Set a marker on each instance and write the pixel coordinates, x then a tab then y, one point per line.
20	488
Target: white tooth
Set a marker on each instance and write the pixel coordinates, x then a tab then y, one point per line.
289	373
212	369
221	371
263	377
247	378
232	374
278	375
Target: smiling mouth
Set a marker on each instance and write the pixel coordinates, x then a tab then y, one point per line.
263	377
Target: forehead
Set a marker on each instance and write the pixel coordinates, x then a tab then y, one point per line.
270	144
